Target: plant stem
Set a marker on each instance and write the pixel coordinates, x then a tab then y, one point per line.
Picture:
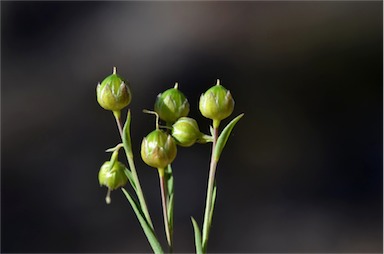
129	154
164	202
119	125
211	181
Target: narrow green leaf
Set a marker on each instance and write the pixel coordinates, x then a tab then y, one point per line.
127	131
169	179
170	212
199	248
213	204
209	222
128	151
128	173
168	176
144	224
222	140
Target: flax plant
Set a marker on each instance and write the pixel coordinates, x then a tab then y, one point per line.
159	149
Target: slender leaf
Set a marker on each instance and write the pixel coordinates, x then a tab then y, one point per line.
222	140
126	131
213	204
128	173
209	222
168	176
199	248
128	151
170	212
144	224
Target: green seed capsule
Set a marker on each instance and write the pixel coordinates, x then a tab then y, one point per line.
216	103
112	176
113	93
158	149
186	131
171	105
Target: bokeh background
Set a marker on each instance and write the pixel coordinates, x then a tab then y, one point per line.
302	171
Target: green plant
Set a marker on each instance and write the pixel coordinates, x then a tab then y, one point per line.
159	149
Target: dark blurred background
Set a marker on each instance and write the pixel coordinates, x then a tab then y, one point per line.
302	171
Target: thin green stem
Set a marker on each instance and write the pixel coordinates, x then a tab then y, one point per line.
117	115
129	154
211	181
164	202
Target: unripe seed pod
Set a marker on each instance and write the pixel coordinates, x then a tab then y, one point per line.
112	176
113	93
158	149
186	131
216	103
171	105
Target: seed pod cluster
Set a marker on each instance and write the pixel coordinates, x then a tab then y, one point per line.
158	148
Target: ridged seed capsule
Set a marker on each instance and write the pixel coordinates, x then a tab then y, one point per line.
113	92
158	149
186	131
171	105
216	103
112	176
